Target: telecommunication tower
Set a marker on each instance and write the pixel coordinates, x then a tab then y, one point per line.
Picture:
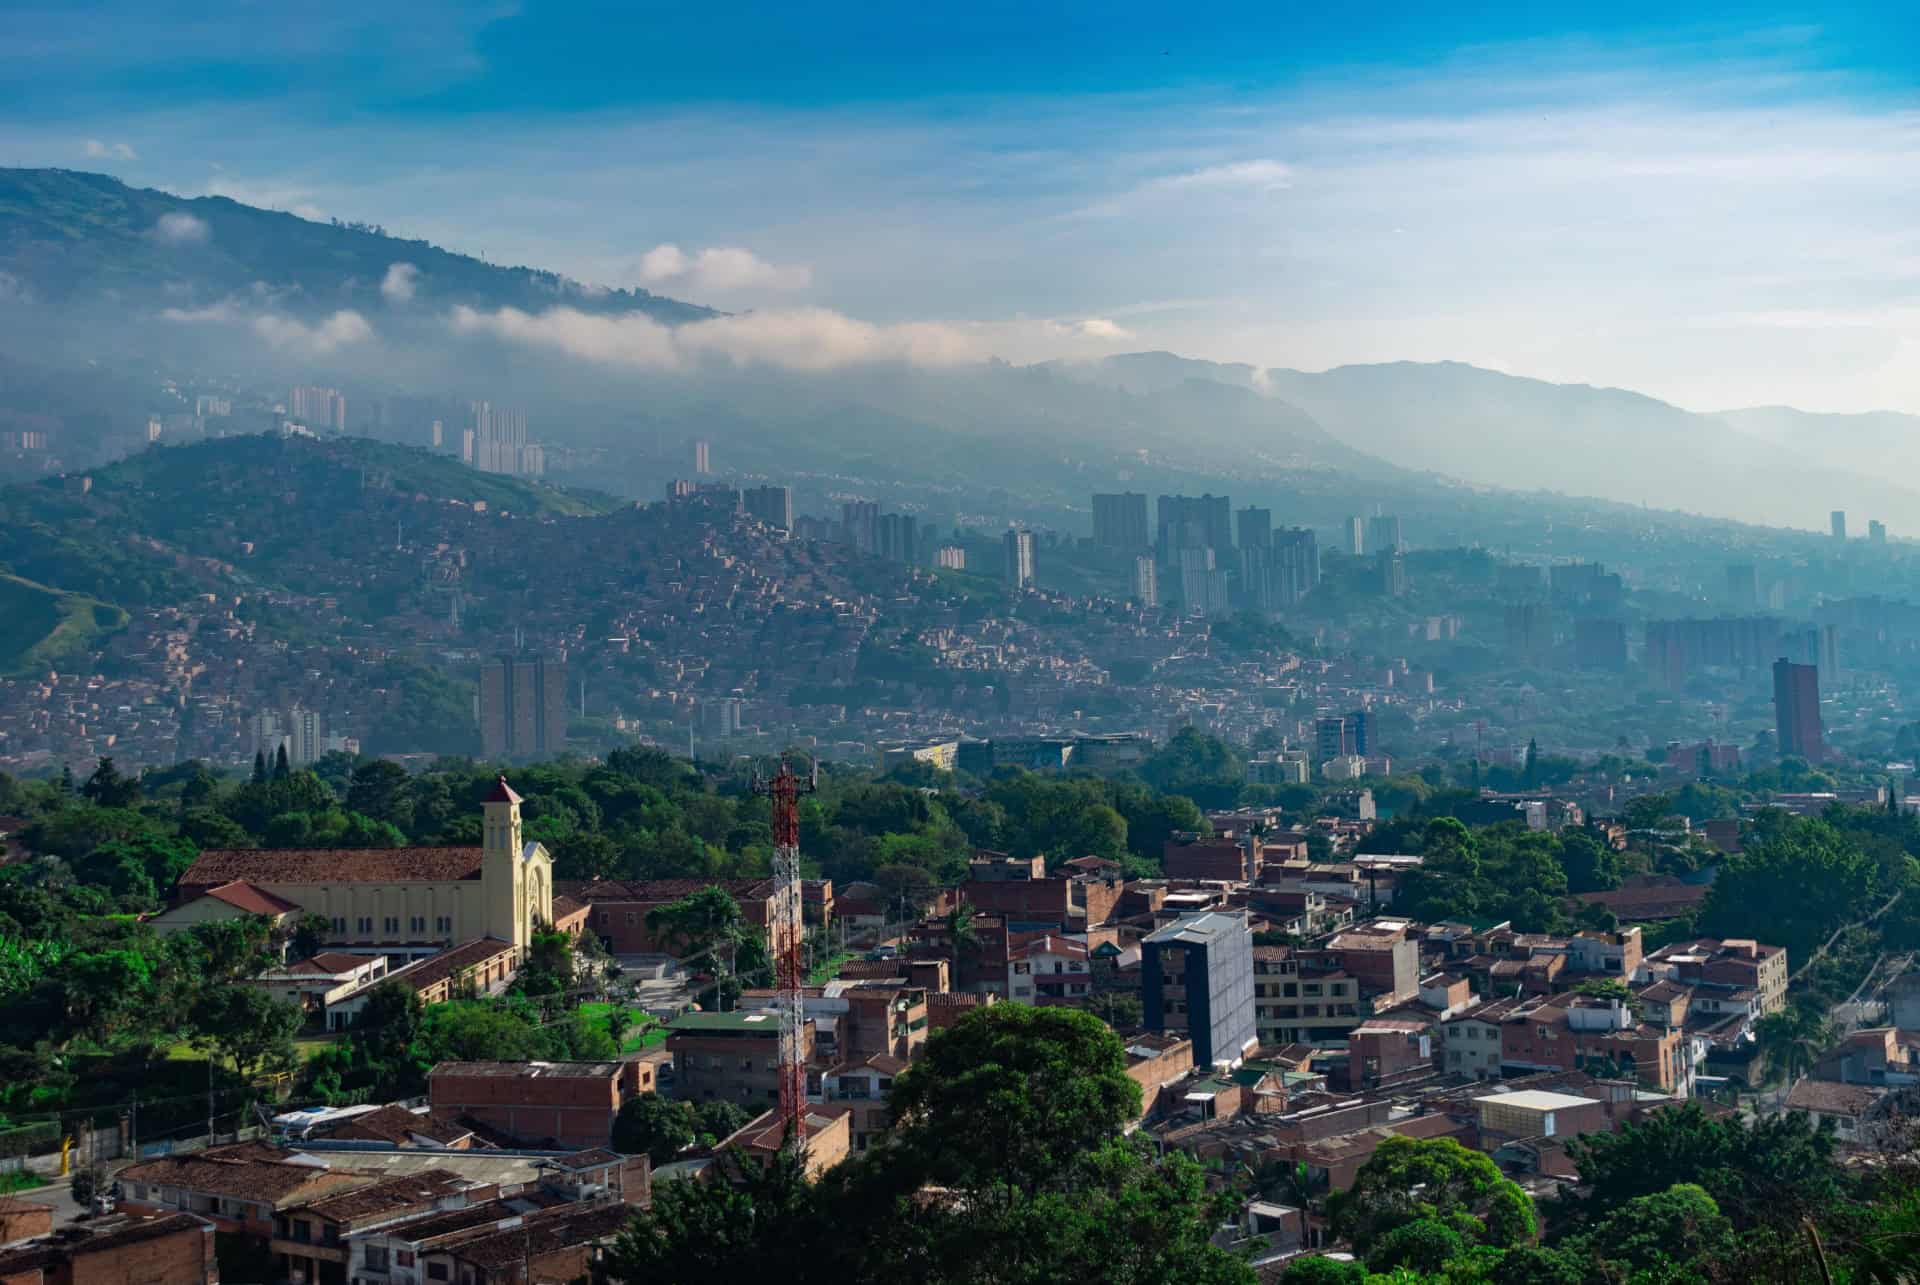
787	928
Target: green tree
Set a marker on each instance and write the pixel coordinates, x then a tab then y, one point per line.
697	921
1801	878
106	788
1676	1235
1410	1180
719	1119
382	789
1200	767
659	1126
1792	1040
1013	1094
310	933
1756	1172
248	1027
756	1228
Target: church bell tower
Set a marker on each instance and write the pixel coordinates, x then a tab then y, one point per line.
502	872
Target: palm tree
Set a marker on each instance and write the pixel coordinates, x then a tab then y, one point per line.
965	937
1792	1040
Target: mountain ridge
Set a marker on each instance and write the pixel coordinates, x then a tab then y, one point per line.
76	238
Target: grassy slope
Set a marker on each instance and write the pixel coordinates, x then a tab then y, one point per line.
40	627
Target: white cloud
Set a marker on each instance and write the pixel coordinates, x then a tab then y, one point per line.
718	269
1258	176
799	339
400	282
212	314
341	329
100	150
1100	328
181	228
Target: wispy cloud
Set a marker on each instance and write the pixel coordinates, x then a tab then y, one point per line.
1257	176
100	150
718	270
341	329
180	228
401	280
800	339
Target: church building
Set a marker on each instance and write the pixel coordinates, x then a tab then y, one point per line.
404	903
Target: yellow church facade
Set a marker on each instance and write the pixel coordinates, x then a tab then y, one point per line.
404	902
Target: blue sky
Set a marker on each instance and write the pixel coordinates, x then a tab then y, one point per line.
1710	203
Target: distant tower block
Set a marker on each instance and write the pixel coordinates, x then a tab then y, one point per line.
702	459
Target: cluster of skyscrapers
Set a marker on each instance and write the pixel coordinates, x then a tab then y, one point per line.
1218	559
316	407
495	441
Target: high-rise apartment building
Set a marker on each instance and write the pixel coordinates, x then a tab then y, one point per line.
897	537
1193	522
523	707
1839	520
1383	534
1203	585
702	457
1600	643
1146	581
1296	563
1393	575
1120	521
1876	531
772	505
1331	738
499	442
950	557
1796	711
1019	547
1356	533
1196	977
1254	526
318	407
858	519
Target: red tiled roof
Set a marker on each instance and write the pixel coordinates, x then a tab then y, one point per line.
423	973
655	889
219	866
502	793
245	1172
330	963
242	895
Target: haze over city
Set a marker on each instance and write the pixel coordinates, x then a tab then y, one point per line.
974	643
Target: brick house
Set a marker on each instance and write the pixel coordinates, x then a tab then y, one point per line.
240	1188
732	1057
173	1250
312	1241
570	1103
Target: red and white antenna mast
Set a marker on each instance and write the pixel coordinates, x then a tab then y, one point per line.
788	932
